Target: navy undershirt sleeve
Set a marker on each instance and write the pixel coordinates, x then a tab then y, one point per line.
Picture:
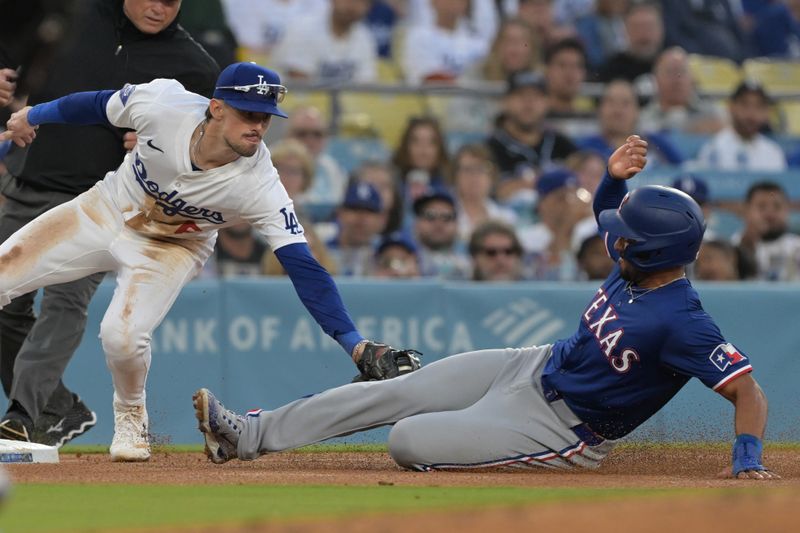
77	108
319	294
609	194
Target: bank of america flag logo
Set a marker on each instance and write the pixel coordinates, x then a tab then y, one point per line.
523	323
725	355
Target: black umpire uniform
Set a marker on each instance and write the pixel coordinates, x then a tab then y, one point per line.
103	50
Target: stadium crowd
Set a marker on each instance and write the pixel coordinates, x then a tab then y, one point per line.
493	181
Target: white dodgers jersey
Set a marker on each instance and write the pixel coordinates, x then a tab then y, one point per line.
159	193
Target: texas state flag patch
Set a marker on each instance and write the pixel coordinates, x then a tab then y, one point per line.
725	355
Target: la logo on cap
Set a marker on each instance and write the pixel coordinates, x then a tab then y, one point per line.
263	87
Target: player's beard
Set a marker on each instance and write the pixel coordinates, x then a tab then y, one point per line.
630	273
244	149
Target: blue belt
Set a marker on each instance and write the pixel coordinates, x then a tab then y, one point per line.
580	428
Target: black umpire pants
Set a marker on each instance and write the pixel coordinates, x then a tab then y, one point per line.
34	352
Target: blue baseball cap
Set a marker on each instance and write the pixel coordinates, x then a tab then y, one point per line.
526	79
363	195
433	193
555	179
695	187
396	238
251	87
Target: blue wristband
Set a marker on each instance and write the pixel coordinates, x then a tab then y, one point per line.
747	453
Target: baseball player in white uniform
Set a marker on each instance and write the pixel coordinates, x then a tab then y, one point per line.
199	165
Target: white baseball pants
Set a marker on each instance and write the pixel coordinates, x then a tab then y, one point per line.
88	235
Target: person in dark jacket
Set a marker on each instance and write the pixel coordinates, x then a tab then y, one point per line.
110	43
522	145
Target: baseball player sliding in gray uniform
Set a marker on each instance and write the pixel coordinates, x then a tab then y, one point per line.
199	165
641	337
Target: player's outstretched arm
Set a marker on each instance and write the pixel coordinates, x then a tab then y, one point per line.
319	294
750	420
77	108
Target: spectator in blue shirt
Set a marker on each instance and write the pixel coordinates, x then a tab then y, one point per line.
603	32
777	31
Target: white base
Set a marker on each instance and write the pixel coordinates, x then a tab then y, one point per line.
14	451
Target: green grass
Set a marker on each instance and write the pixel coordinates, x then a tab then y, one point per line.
45	508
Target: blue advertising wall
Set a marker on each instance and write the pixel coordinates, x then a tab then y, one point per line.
253	343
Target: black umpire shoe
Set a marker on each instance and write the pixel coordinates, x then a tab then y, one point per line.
54	431
14	428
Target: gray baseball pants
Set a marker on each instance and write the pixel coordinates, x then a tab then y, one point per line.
475	409
34	352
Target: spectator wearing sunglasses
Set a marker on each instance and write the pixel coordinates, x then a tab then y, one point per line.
496	252
308	126
441	252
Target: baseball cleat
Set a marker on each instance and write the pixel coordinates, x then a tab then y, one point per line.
58	431
220	427
14	429
131	442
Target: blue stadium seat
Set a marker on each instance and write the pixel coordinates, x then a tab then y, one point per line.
724	186
688	144
724	224
350	153
457	139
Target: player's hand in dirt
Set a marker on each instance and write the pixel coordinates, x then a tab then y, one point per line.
629	159
760	475
18	129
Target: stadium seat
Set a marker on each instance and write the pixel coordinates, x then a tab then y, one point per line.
688	144
457	139
350	153
389	72
790	116
302	98
723	224
386	113
776	76
714	74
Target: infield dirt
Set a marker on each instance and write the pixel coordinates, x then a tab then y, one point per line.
766	507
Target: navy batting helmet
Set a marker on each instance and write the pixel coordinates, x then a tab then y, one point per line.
664	224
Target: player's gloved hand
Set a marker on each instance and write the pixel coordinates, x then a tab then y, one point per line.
747	459
379	361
